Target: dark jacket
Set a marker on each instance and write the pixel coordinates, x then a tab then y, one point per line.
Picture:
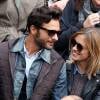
46	79
69	25
91	90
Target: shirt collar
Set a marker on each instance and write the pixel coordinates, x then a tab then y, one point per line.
45	54
76	70
18	45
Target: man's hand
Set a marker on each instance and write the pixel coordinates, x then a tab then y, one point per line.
60	4
92	20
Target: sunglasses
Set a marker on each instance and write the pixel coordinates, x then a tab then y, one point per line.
78	45
51	32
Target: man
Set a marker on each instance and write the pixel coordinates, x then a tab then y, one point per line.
29	68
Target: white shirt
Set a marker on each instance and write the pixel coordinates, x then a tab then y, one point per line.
29	59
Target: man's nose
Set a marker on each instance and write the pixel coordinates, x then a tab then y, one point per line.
55	37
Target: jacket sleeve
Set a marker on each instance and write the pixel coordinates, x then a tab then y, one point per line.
97	97
97	91
60	89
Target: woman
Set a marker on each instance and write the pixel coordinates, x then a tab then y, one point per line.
76	15
83	68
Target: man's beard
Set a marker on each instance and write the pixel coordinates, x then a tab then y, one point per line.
40	43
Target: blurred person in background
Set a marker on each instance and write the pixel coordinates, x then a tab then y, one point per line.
60	4
13	16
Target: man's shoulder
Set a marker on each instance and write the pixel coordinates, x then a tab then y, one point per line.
55	55
3	50
5	46
7	43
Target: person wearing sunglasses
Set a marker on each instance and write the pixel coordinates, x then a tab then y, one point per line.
83	66
29	67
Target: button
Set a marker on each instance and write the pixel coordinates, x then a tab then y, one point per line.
20	81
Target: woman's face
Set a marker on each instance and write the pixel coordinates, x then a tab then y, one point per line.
79	51
96	3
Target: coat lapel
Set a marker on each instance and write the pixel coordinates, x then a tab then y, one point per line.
46	67
12	60
44	71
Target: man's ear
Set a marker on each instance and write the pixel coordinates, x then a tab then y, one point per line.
33	29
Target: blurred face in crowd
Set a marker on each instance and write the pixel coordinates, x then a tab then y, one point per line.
47	34
96	3
79	51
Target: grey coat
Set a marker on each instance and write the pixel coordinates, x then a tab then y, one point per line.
13	15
